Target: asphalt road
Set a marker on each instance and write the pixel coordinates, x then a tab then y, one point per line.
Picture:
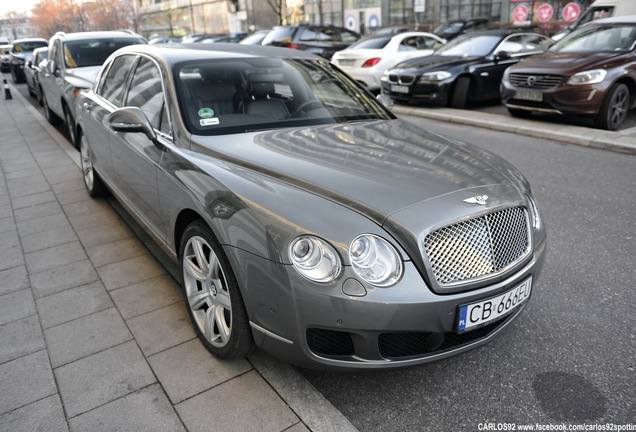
571	356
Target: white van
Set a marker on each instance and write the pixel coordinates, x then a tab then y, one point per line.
601	9
606	9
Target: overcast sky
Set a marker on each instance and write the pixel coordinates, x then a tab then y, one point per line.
7	6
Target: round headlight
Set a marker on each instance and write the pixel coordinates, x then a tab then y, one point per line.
375	260
315	259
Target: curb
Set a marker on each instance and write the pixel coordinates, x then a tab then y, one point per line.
582	136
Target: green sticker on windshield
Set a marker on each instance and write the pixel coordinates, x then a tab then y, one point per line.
206	112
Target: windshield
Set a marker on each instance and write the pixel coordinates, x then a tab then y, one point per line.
469	46
239	95
94	52
615	38
279	35
28	46
372	43
449	28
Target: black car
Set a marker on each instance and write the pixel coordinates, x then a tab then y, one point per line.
21	53
467	69
316	39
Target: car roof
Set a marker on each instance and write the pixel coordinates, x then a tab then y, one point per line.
625	19
29	40
178	52
496	32
97	35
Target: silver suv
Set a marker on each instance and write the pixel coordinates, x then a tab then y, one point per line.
72	65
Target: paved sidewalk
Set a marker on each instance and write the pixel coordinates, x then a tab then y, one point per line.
94	335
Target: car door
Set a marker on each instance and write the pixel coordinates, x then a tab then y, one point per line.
96	106
511	50
53	82
135	158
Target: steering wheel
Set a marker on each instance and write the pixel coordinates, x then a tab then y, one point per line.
304	105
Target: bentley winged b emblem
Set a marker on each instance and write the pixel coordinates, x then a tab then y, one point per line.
478	199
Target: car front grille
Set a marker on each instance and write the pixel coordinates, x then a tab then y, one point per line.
539	82
403	79
478	248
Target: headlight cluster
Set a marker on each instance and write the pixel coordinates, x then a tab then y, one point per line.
588	77
435	76
536	216
373	259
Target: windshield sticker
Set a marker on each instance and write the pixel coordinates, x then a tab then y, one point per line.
206	113
209	122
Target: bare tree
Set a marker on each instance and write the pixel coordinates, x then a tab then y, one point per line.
277	6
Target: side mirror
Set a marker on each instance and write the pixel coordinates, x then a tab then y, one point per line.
132	119
385	100
503	55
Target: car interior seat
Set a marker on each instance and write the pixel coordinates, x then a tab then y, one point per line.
263	101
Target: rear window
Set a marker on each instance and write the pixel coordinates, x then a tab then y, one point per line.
615	38
94	52
374	43
280	35
318	34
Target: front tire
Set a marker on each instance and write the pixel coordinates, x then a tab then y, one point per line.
93	182
70	127
212	295
614	108
51	117
460	93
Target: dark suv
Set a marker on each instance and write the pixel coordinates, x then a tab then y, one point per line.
321	40
591	72
21	53
72	65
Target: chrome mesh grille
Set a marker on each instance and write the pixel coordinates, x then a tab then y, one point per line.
479	247
534	81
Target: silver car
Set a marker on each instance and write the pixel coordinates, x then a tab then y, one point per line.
306	219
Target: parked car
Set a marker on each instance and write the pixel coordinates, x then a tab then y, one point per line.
590	72
164	40
32	73
255	38
321	40
598	10
227	38
21	53
305	217
367	59
72	65
5	57
453	28
467	69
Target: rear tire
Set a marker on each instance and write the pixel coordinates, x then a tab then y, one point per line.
51	117
70	127
460	93
93	182
614	108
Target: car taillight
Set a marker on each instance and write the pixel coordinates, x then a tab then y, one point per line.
371	62
293	46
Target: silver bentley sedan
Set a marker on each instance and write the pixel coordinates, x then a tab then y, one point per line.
307	220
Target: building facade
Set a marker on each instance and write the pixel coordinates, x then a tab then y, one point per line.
181	17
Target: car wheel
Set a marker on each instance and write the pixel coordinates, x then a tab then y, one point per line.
93	182
460	93
51	117
38	95
520	113
614	108
30	89
14	75
70	127
214	301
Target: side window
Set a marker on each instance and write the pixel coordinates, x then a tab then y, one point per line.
513	44
537	43
348	37
113	84
146	93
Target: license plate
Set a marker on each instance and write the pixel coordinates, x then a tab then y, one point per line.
530	96
346	62
399	89
481	313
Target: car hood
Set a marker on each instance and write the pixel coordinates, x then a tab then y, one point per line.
436	62
376	168
82	77
565	63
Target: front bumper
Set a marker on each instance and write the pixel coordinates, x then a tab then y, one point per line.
583	100
432	93
322	327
